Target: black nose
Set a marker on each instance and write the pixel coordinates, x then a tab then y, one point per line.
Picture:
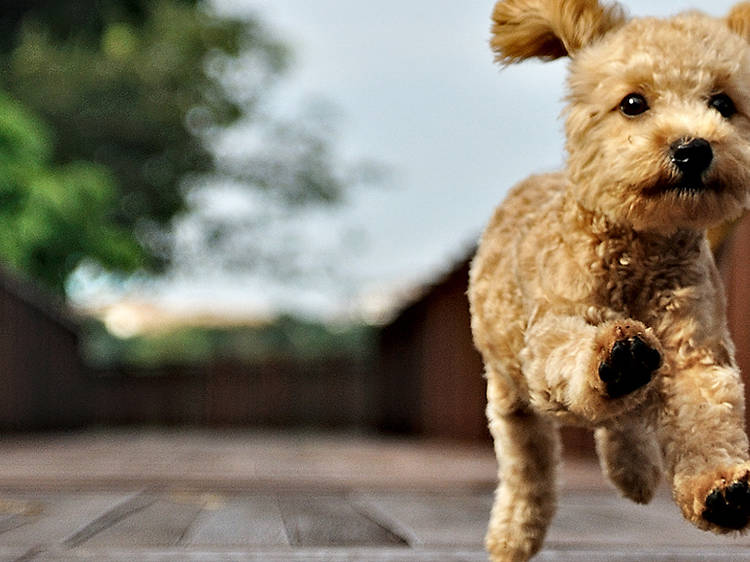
692	157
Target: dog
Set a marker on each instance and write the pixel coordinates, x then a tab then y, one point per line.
594	296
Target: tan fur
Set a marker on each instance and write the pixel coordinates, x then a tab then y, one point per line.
549	29
608	249
738	20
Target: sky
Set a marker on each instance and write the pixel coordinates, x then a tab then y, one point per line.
414	88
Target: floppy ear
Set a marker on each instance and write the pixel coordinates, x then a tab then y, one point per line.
738	20
549	29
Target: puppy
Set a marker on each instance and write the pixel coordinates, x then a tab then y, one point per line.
594	296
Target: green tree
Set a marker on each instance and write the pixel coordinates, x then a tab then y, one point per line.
52	215
142	88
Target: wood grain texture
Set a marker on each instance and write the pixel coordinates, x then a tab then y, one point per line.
245	520
331	520
162	523
431	519
49	518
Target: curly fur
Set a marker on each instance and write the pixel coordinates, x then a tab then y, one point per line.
612	249
549	29
738	20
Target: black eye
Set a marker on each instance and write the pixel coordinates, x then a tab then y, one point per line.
723	104
633	104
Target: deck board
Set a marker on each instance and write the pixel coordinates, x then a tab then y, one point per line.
132	509
288	554
241	520
162	523
374	554
325	520
49	518
431	519
111	517
603	518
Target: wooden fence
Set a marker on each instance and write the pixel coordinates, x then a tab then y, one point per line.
331	393
44	384
41	382
430	373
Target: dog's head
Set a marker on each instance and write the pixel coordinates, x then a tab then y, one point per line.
658	115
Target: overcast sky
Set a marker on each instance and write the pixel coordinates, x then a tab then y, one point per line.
416	89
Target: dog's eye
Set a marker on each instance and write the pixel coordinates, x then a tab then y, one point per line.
723	104
633	104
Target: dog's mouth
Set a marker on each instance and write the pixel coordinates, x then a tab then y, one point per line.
689	185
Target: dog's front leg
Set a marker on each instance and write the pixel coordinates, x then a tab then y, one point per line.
705	445
594	372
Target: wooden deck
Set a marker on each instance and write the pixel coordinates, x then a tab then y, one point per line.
247	496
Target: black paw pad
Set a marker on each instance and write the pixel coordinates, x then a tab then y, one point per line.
629	366
729	507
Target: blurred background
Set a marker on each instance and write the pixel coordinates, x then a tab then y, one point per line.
261	213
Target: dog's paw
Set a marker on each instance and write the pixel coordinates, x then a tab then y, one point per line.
717	500
729	506
630	365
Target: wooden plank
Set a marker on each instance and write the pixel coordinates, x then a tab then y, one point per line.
110	518
281	554
161	523
583	518
605	518
53	518
246	520
331	521
16	512
623	554
10	522
431	519
11	554
382	554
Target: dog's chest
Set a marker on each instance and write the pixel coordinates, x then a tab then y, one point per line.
635	275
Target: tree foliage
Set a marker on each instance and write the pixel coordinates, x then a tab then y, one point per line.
285	338
52	215
135	92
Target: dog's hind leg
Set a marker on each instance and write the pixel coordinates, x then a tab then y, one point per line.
527	447
630	457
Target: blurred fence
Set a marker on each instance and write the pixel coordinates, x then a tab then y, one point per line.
45	385
41	383
272	393
733	257
431	374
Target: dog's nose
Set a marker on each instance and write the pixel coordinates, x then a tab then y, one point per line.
693	156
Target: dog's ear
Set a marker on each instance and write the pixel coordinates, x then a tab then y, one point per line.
738	20
549	29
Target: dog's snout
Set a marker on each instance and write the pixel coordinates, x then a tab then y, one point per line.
692	156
